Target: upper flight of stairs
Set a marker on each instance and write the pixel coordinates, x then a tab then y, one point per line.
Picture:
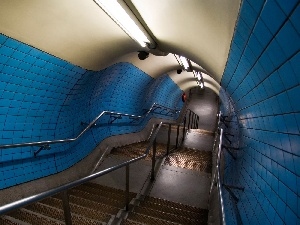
137	149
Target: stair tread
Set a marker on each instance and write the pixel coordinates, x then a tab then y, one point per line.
191	159
58	214
46	210
78	209
149	220
173	204
96	198
101	192
106	188
176	218
7	220
130	222
173	210
92	204
137	149
31	218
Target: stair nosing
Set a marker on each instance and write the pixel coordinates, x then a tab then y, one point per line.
15	220
170	214
42	215
175	223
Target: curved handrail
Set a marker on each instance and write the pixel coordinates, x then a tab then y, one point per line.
25	201
41	143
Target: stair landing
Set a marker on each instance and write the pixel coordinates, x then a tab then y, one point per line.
183	177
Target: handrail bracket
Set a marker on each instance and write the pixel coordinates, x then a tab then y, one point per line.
43	147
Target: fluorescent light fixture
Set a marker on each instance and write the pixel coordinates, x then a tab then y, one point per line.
120	16
184	62
199	78
198	75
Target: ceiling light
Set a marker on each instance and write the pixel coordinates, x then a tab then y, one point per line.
198	75
184	62
120	16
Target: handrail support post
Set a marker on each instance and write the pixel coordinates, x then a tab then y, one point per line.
183	131
127	188
169	137
189	119
177	136
66	207
153	160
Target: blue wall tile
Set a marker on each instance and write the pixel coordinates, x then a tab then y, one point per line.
45	98
267	108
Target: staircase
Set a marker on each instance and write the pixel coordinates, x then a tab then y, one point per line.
169	199
92	203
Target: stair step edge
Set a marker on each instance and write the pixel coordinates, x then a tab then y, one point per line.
154	218
173	209
41	215
76	205
72	214
15	220
175	216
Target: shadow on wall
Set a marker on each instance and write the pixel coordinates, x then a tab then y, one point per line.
262	78
45	98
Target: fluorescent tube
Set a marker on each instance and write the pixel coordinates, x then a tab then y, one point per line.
119	15
184	62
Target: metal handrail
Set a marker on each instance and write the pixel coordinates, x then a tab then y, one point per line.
222	216
41	143
216	175
194	118
28	200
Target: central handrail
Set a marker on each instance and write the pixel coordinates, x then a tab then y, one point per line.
28	200
216	175
41	143
222	216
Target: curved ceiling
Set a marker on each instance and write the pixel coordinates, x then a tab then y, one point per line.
199	30
79	31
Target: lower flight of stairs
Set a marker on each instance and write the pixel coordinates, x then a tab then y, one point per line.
155	211
90	203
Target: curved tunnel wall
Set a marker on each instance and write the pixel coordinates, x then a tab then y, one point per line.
45	98
261	79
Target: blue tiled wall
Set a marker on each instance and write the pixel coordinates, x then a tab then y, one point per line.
45	98
262	78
